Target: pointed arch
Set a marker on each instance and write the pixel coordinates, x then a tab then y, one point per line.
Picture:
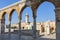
22	9
3	22
30	12
42	6
12	12
3	14
14	16
47	1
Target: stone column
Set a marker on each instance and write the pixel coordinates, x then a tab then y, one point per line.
19	31
0	29
9	33
3	24
34	25
0	26
57	10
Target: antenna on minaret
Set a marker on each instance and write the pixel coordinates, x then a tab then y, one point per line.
27	18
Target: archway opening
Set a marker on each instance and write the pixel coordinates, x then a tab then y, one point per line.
14	20
4	22
46	17
27	19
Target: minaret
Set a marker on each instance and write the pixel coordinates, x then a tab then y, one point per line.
27	18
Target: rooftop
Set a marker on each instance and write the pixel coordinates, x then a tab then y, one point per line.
19	2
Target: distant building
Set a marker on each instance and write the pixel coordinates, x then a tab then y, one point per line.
44	27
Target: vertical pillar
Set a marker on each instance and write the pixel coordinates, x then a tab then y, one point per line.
34	25
57	10
9	33
0	26
19	31
0	29
3	24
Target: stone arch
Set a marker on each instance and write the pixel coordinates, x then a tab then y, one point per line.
22	9
27	11
3	14
13	16
51	3
47	1
46	9
3	22
12	12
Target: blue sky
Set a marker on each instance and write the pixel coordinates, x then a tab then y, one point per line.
44	12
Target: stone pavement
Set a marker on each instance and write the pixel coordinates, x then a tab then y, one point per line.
16	37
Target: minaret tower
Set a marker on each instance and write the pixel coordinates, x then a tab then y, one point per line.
27	18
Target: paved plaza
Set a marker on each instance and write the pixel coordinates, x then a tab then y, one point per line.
23	37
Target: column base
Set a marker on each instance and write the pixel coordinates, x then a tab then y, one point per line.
57	36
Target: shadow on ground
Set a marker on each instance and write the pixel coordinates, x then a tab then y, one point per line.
16	37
